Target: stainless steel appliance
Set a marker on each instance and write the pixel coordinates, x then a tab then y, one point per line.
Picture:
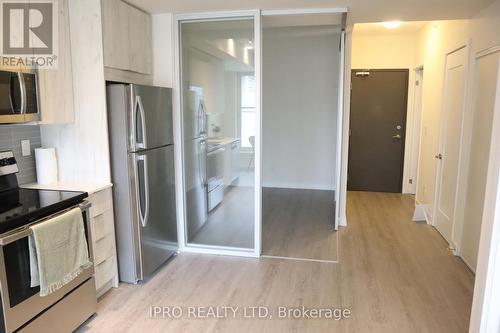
195	160
142	153
18	97
215	175
22	307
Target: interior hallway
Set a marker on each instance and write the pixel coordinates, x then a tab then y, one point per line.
394	275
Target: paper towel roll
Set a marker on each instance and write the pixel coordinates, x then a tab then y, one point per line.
46	165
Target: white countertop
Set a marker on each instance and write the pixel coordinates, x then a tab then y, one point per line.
66	186
215	143
221	141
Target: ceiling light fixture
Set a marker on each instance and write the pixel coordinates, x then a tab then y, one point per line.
392	24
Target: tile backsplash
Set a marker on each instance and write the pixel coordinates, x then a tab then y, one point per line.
10	139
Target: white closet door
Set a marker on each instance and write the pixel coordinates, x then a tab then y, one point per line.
448	156
485	93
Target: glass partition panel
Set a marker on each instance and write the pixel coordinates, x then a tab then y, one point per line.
219	128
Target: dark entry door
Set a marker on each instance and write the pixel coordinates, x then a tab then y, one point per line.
378	125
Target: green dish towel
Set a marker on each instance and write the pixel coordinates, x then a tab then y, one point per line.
58	251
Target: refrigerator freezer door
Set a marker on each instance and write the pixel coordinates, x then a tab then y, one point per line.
195	155
156	206
151	117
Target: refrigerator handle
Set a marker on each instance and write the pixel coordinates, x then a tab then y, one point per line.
202	163
139	110
203	120
205	127
144	217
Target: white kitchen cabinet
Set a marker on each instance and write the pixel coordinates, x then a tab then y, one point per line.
55	86
235	160
231	162
127	37
103	240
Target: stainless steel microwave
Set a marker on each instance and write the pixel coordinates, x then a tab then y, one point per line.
18	97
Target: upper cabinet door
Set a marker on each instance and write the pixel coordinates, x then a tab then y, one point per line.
55	86
126	37
139	32
115	34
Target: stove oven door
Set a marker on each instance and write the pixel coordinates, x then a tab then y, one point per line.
21	303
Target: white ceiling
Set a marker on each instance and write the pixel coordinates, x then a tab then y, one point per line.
378	28
359	10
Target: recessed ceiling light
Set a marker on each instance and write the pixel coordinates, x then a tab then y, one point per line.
392	24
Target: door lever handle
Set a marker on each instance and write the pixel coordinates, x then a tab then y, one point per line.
439	156
396	137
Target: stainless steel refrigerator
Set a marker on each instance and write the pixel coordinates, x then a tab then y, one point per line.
195	159
142	165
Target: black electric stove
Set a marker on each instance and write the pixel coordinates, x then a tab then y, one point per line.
20	206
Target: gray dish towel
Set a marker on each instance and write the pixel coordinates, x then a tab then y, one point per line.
58	251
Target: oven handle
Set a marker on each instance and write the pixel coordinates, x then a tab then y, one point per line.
25	231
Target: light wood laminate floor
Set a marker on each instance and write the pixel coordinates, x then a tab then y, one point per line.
232	222
394	275
299	224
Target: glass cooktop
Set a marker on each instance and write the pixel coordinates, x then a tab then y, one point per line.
22	206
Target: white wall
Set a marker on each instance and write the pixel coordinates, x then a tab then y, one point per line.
228	120
82	146
391	50
300	86
387	50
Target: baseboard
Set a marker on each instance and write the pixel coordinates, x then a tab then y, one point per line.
343	221
299	186
420	214
473	270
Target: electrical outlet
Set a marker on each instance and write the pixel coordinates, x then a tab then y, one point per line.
25	147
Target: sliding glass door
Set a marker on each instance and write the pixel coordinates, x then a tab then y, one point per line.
220	111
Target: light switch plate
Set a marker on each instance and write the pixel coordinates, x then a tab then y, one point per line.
25	147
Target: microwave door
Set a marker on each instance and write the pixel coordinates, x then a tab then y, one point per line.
29	89
18	97
11	97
